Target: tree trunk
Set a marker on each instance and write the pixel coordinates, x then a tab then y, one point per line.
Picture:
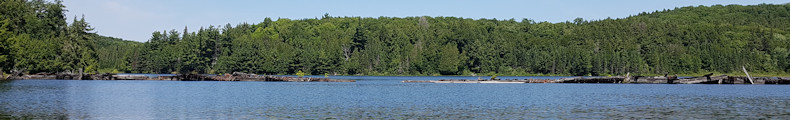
347	53
80	74
627	78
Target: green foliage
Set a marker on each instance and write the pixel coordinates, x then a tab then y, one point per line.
449	61
300	74
5	50
35	37
78	47
117	54
686	40
35	55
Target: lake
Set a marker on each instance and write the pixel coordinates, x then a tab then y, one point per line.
385	97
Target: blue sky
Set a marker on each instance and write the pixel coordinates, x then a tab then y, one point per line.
137	19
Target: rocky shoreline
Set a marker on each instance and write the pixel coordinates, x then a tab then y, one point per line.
707	79
178	77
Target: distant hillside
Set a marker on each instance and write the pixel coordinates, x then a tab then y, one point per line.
685	40
113	54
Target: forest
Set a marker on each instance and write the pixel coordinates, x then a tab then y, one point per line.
35	37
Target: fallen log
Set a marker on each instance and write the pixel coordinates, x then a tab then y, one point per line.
416	81
651	80
129	77
704	80
747	75
102	76
616	79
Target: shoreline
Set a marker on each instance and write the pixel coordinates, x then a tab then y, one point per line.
176	77
706	79
238	76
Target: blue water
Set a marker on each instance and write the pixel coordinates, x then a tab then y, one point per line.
376	97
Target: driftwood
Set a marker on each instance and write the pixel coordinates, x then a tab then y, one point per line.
104	76
15	74
617	79
704	79
129	77
747	75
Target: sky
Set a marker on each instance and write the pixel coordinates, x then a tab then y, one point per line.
137	19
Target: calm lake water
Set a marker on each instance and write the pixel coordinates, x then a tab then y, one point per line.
374	97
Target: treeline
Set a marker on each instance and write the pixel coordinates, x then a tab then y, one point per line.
684	40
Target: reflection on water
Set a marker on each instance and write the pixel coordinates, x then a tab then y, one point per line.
381	97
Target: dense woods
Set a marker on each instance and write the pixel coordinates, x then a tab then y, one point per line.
684	40
35	37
